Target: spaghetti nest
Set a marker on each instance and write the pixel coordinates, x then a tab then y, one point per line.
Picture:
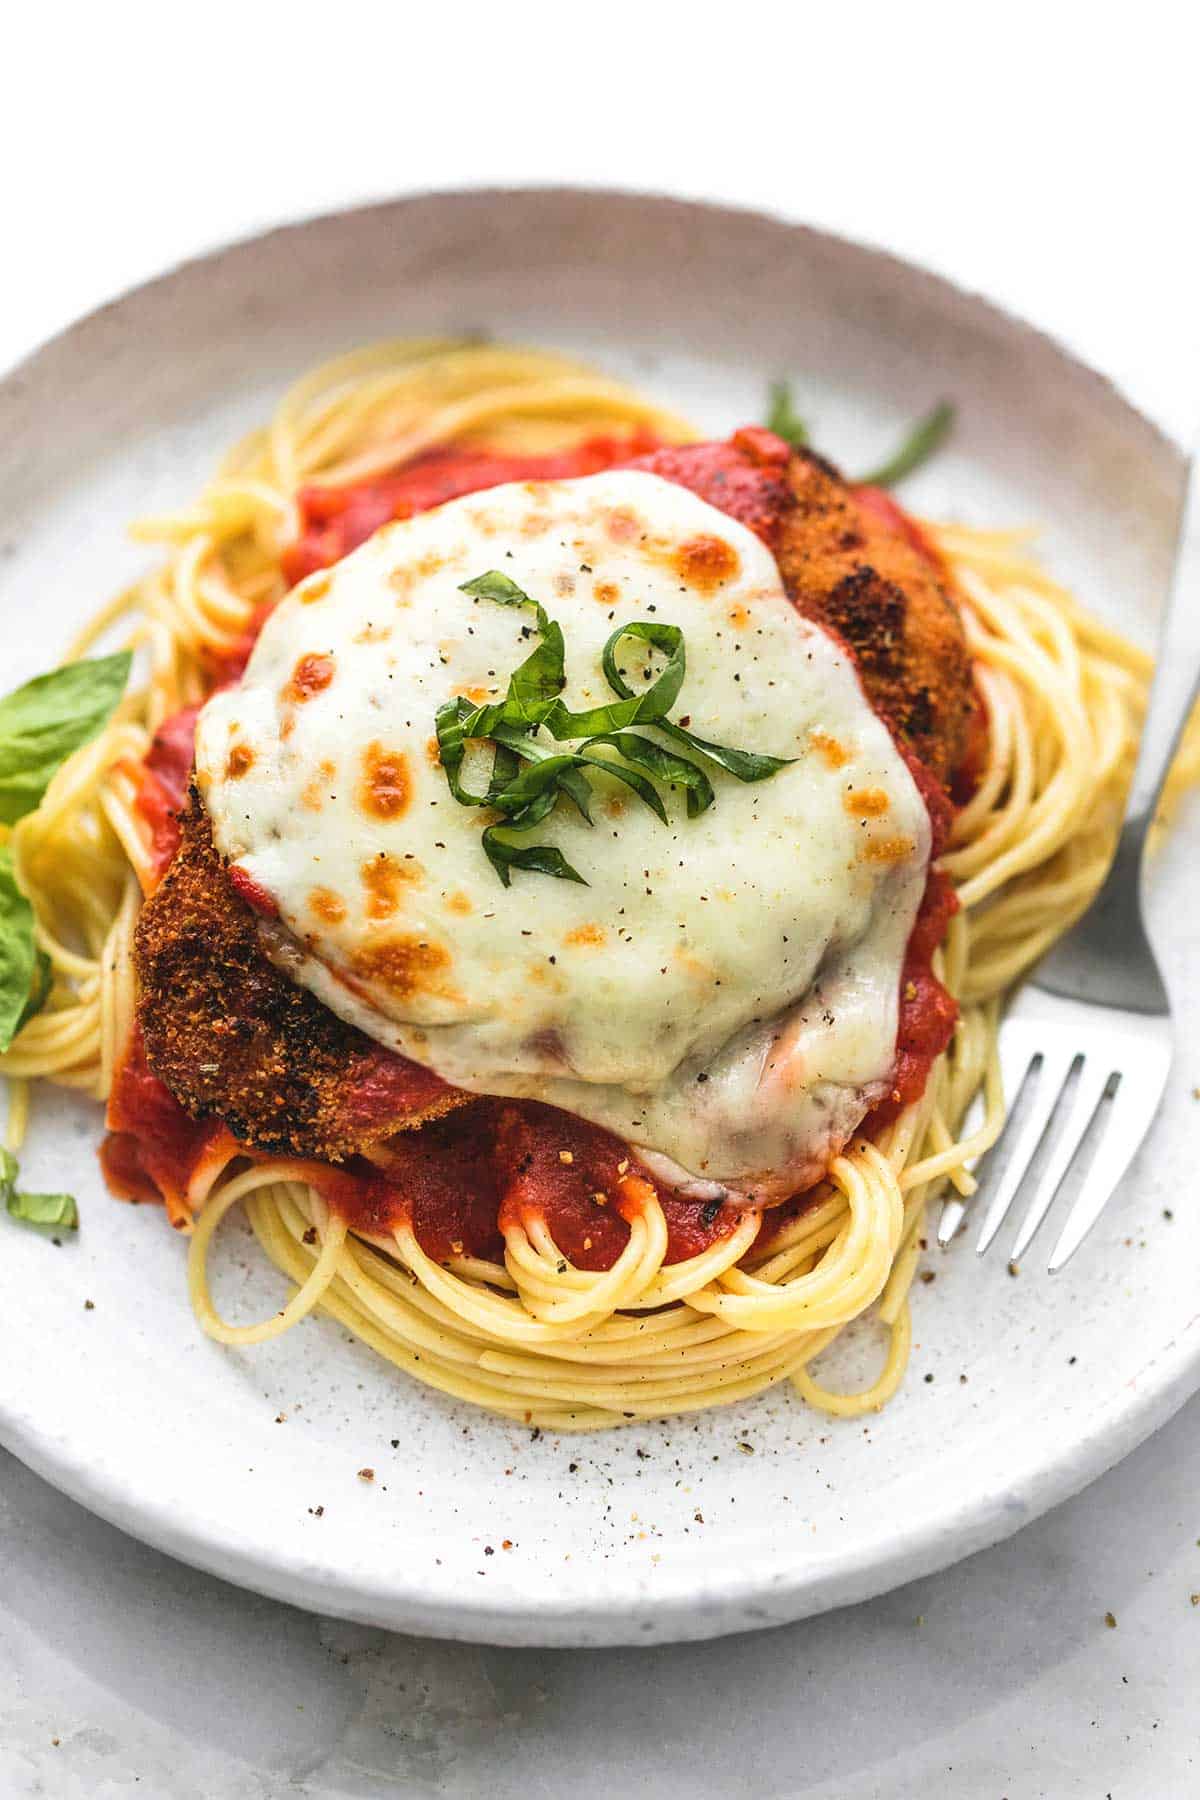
533	1337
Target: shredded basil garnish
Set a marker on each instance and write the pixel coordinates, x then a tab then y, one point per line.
782	417
745	764
538	859
58	1210
528	775
926	436
923	440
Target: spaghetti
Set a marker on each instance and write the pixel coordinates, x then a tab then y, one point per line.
530	1335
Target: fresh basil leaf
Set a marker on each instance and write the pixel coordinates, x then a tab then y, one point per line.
545	779
535	810
539	680
645	790
533	688
39	993
675	771
534	781
514	746
449	722
782	417
44	1209
538	859
44	722
747	765
457	723
34	1209
632	708
541	677
495	585
528	776
573	783
655	701
21	977
504	767
517	739
925	437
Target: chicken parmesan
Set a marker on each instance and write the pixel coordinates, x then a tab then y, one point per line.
544	844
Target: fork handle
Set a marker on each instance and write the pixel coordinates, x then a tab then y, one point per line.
1176	674
1106	957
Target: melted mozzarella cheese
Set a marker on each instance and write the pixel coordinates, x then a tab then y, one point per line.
723	992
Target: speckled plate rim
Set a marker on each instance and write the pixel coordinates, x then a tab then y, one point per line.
724	1599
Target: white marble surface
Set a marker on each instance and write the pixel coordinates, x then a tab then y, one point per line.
1049	167
122	1671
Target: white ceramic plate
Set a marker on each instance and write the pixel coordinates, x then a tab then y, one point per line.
1020	1390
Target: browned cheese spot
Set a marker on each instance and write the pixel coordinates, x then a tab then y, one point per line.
739	616
459	903
433	752
585	934
239	762
402	580
384	879
475	694
315	588
311	675
326	905
887	850
385	789
834	752
866	803
373	634
313	797
706	562
607	593
623	525
406	966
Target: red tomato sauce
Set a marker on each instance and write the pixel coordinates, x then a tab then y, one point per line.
334	521
928	1013
458	1181
154	1149
252	892
745	478
163	783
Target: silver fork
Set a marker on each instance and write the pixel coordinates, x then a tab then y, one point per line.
1091	1027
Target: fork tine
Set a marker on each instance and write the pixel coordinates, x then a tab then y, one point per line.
1093	1079
1056	1066
1016	1052
1134	1104
953	1213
